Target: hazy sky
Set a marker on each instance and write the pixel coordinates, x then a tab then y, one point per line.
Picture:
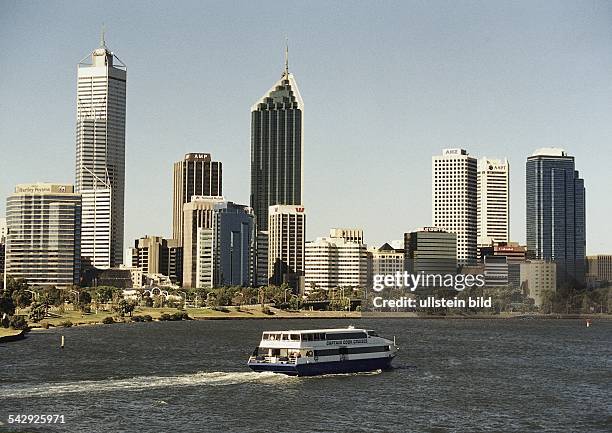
386	85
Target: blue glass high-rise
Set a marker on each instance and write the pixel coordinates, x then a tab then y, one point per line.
556	222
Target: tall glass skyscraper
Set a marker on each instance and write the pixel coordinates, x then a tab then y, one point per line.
276	148
100	155
556	221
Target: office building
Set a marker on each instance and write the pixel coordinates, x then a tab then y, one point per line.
198	215
100	155
276	148
386	260
454	186
335	262
496	272
2	230
195	175
430	250
224	250
150	254
348	234
599	268
259	258
537	278
556	217
2	243
493	200
287	229
44	234
233	238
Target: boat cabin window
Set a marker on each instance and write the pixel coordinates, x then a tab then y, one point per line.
271	336
373	333
317	336
294	337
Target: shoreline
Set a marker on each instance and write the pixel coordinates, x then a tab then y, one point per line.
15	335
329	315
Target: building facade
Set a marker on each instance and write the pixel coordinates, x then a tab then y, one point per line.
348	234
537	278
430	250
493	200
195	175
276	148
335	262
259	258
100	155
286	238
198	215
386	260
44	234
2	243
556	216
599	268
454	187
233	238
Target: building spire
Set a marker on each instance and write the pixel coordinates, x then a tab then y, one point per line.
102	40
287	56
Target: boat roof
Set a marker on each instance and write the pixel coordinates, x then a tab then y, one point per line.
308	331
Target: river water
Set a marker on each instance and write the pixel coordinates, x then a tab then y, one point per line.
450	375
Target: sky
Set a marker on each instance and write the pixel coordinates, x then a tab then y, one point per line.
386	85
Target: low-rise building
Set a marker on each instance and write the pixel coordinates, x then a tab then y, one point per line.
335	262
537	278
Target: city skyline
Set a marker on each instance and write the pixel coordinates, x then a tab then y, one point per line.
320	188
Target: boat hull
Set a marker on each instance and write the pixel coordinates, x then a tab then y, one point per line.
330	367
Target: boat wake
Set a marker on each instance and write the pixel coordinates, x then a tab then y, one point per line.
363	373
215	378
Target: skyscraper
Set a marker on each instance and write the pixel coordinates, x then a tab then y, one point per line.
556	216
44	234
493	202
276	148
287	230
100	155
454	207
197	175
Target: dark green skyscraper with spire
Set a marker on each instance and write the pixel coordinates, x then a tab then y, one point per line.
276	148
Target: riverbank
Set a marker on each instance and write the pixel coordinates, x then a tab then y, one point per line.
7	335
250	312
78	318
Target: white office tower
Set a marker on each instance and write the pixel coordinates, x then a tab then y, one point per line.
43	235
286	234
493	201
100	155
454	184
335	262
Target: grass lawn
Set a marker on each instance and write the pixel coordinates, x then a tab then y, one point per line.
246	312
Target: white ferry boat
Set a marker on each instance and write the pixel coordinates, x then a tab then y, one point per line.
322	351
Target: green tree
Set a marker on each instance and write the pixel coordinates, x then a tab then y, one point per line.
84	300
125	306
